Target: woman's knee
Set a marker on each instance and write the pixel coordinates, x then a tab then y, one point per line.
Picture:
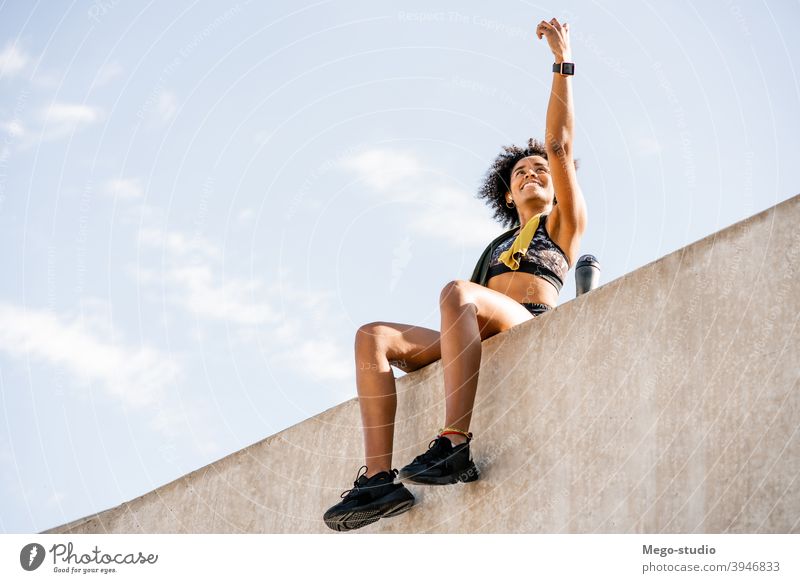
371	336
456	293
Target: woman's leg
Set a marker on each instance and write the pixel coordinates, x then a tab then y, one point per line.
470	313
378	345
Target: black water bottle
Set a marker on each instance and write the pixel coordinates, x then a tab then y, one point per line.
587	274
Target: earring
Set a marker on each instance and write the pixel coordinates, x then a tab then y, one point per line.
511	206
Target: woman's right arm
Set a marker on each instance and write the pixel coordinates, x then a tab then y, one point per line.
559	133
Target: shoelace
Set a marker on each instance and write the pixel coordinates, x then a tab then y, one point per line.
356	488
433	454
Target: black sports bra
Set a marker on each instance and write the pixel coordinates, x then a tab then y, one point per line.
544	257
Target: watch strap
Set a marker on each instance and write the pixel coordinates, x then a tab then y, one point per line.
564	68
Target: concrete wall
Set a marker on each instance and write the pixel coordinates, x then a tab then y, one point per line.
663	401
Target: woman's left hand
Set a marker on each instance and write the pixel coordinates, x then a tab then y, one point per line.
557	36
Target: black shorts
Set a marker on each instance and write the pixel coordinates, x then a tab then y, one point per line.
535	309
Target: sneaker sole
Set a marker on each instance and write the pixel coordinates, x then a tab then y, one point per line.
354	519
468	475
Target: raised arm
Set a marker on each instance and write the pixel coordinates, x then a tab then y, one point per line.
559	132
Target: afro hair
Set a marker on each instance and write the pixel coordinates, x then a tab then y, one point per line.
497	179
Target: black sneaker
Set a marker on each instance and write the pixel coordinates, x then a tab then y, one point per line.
442	464
369	500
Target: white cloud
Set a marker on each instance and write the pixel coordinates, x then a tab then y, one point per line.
124	188
178	245
89	351
383	169
70	113
448	212
451	218
59	120
228	300
191	283
54	122
318	359
136	375
281	314
12	60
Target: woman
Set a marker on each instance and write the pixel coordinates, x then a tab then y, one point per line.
517	278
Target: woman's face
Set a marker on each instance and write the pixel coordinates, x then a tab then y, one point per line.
530	179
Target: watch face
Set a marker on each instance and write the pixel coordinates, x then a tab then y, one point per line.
568	68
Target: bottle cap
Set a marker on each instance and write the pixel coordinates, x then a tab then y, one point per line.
589	260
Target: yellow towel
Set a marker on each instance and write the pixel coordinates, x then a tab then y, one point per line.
521	243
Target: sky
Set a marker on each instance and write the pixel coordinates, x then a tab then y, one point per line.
201	202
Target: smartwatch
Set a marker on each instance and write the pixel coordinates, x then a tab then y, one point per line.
564	68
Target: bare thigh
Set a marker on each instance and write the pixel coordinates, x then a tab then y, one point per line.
406	346
495	311
410	347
